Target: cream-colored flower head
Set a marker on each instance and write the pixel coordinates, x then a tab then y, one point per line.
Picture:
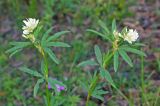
131	36
30	25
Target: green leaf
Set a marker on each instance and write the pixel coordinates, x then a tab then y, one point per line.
19	43
45	35
98	96
139	44
98	93
113	25
13	49
103	26
86	63
101	92
37	31
52	101
132	50
52	55
45	101
105	74
90	77
116	61
98	55
56	35
17	46
84	85
96	32
104	36
13	53
93	83
124	31
31	72
57	44
106	32
36	87
125	57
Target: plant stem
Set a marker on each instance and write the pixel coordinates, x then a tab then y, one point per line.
46	77
46	74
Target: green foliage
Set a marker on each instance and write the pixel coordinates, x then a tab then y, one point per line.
132	50
59	11
16	6
98	93
98	33
31	72
121	49
32	10
125	57
3	60
113	25
95	90
42	44
36	87
98	55
56	35
105	74
99	58
57	44
18	46
44	37
106	33
91	9
100	9
37	31
87	63
47	41
116	61
67	100
158	64
104	26
52	55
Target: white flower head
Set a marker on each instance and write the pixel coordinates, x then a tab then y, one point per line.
131	36
30	25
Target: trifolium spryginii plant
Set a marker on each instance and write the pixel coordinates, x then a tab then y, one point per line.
35	36
122	42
